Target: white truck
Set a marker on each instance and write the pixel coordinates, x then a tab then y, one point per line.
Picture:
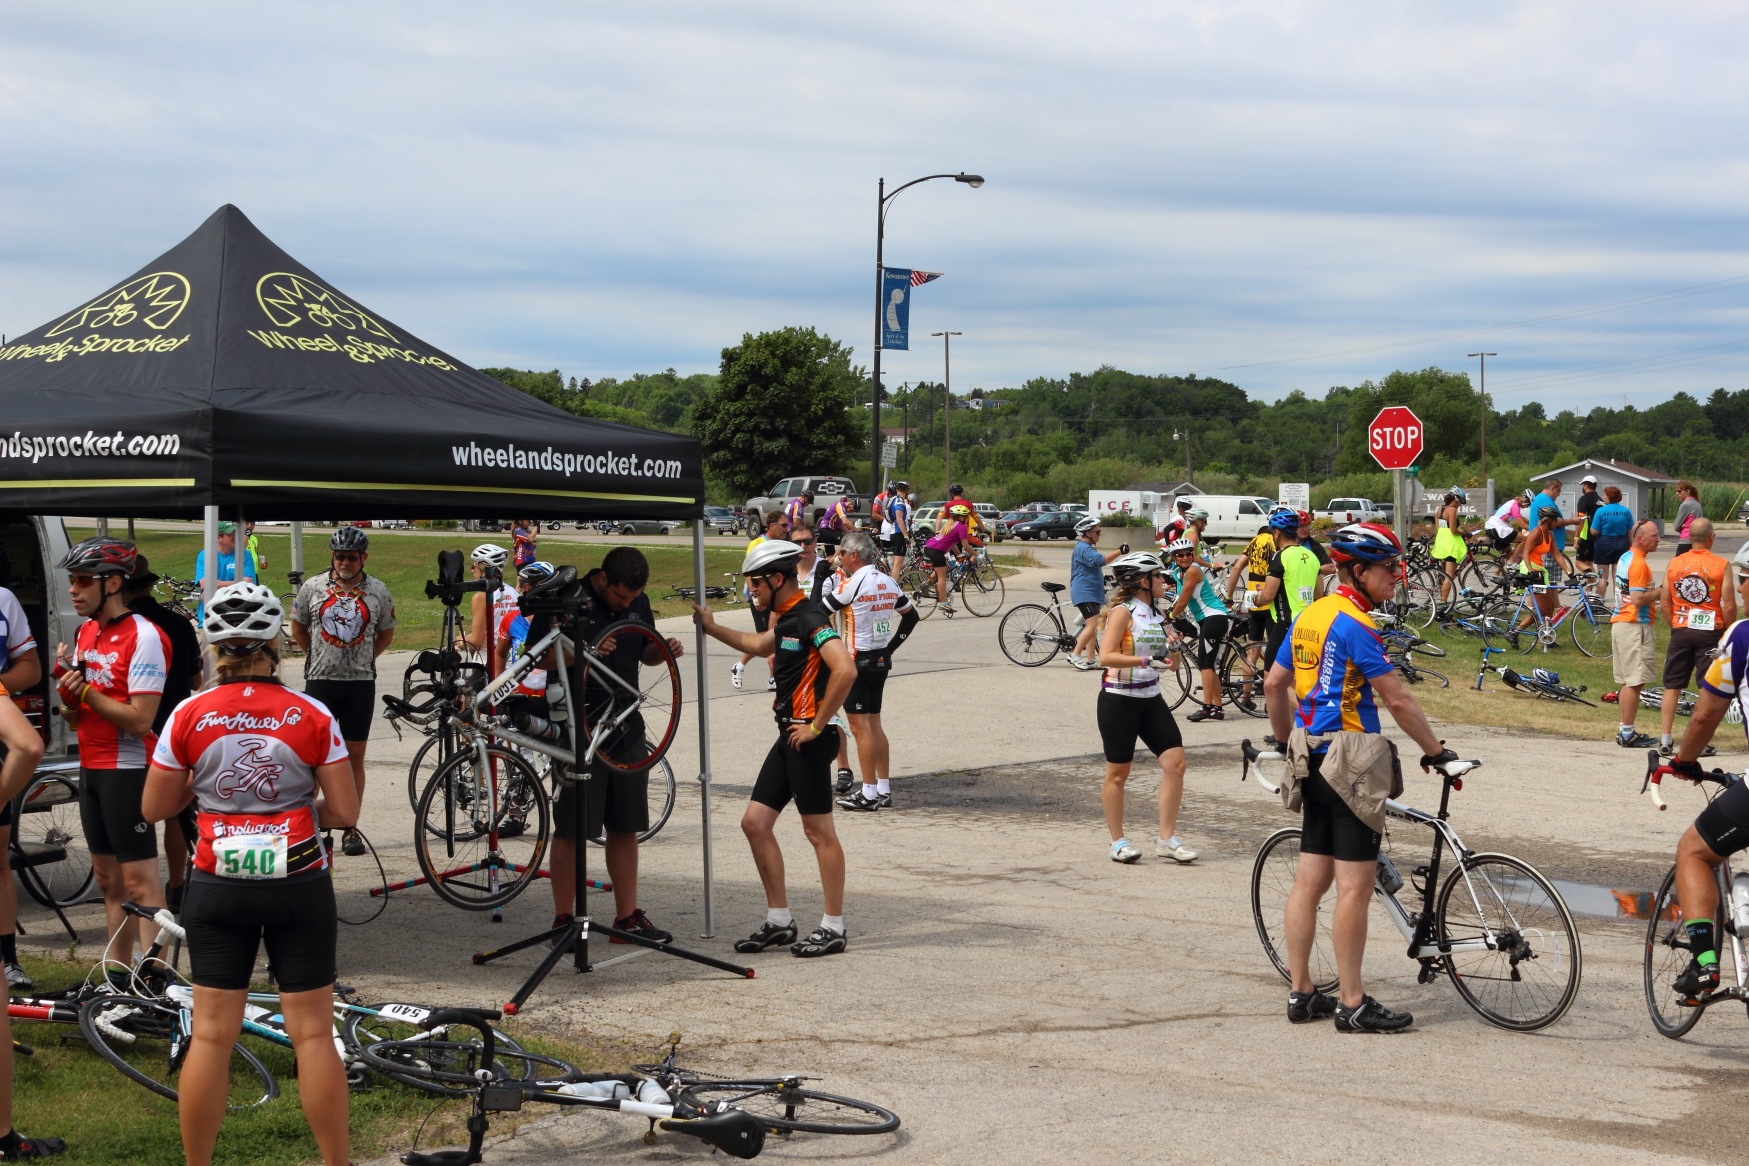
1135	503
1343	511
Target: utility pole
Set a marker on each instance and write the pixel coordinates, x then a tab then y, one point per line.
947	404
1184	436
1483	392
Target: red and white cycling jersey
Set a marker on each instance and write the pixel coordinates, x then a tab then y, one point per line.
254	746
122	659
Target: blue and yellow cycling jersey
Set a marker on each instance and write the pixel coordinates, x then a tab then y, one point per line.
1334	652
1725	676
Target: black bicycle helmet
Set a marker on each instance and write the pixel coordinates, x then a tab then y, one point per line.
101	555
349	538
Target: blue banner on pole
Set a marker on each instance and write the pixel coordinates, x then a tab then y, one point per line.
896	308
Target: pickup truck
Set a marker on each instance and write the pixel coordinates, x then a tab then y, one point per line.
1346	510
825	489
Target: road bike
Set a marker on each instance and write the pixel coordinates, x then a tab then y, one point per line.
1401	645
1540	683
973	577
1526	627
1495	925
181	595
1667	947
1032	634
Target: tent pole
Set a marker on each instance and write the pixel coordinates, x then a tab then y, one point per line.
297	550
210	582
704	729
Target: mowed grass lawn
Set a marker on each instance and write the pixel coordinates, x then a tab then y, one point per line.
406	561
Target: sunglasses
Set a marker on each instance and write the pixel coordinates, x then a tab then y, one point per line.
84	580
346	558
804	542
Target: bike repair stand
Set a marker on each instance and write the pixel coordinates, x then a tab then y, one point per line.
573	937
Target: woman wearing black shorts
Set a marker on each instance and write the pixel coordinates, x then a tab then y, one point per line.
1132	649
253	756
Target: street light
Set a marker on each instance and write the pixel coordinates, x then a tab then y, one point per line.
1184	436
1484	395
947	414
972	180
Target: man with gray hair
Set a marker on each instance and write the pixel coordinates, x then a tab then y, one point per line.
869	600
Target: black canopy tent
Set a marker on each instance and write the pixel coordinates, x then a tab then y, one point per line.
227	374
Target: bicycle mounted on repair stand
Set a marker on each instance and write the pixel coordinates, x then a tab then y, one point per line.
1495	925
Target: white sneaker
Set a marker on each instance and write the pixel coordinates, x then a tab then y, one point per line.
736	674
1174	849
1081	664
771	684
1124	852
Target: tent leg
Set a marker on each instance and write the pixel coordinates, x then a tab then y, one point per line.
210	583
704	730
297	550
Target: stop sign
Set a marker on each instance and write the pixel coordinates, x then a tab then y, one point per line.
1394	437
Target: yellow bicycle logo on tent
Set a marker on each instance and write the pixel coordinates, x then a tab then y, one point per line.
155	299
287	299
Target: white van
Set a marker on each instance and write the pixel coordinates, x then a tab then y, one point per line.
1230	515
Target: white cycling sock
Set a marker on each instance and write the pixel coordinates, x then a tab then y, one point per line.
779	916
869	791
1627	730
833	922
1667	739
883	786
1120	842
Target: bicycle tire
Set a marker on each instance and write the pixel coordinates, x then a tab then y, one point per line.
920	586
1416	604
1590	634
1415	674
446	740
601	700
1484	572
982	590
448	858
1272	880
1183	679
1667	956
160	1043
1425	648
1534	923
393	1024
1497	631
1236	671
1030	635
666	798
49	816
765	1099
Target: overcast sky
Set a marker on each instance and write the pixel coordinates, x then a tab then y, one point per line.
1172	187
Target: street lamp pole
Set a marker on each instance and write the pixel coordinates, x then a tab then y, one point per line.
1483	393
947	403
882	199
1184	436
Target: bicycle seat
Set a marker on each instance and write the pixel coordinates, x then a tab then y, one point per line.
561	580
1053	588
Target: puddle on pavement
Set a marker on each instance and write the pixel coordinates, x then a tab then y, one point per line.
1605	902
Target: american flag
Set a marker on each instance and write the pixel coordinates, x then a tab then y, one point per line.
918	277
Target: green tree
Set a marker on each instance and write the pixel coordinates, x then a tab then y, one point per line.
780	406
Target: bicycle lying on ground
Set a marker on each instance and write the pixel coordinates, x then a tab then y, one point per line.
1667	947
732	1115
1541	681
1495	925
1401	645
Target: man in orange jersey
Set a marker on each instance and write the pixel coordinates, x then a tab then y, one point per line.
1698	601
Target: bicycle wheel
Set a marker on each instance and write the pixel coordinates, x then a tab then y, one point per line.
1590	633
983	590
1527	976
631	695
777	1104
1030	635
1482	573
1667	956
1423	647
1242	680
1415	674
661	802
1272	880
1416	604
148	1042
1177	685
480	834
440	1066
439	747
1498	629
49	818
920	586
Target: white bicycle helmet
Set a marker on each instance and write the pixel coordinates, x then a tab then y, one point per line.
243	611
1458	492
1179	545
1086	524
768	555
488	555
1136	563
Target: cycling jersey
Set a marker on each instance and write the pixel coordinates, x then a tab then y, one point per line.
522	539
949	538
344	621
1726	674
801	627
870	600
254	746
1697	583
503	600
1203	601
1146	636
1501	521
1258	553
1335	651
128	657
1174	527
514	627
15	635
836	516
878	509
898	517
1297	568
792	512
1632	573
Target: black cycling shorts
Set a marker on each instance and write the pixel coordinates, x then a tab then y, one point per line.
895	544
1327	825
1257	625
6	815
353	703
1210	634
1089	610
937	558
1724	824
229	919
803	774
1277	637
1587	550
865	694
1122	719
614	800
1503	542
1687	655
109	812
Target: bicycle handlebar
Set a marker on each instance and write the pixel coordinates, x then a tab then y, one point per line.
1656	769
162	917
1253	756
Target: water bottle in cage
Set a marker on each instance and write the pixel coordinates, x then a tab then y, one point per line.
556	710
540	728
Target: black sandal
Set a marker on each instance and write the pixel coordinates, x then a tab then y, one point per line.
769	935
820	941
28	1148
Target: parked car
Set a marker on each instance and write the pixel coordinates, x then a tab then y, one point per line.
389	524
1230	515
720	520
1041	507
992	520
646	526
1346	510
1075	507
826	491
1055	524
1014	517
924	520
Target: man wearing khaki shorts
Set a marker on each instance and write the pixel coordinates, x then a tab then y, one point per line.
1633	631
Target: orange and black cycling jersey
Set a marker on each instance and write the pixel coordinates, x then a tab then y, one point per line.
802	626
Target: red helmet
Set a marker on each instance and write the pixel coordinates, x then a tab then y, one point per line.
101	556
1365	542
1305	517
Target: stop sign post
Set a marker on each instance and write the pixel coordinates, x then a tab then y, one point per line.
1395	439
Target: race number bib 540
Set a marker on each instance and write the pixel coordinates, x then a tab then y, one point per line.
250	856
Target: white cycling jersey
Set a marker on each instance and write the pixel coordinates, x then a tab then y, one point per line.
871	602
